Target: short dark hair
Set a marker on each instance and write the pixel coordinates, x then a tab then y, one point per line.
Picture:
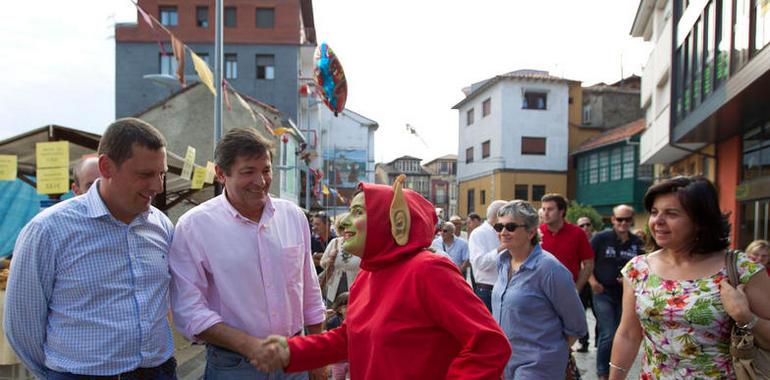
240	142
561	202
323	216
118	140
700	201
474	216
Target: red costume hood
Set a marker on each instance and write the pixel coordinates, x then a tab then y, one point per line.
381	249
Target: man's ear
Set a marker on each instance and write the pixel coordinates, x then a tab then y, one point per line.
107	167
400	219
220	174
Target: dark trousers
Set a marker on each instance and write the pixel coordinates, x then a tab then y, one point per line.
484	292
165	371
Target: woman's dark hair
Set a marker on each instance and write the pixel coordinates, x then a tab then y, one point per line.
699	200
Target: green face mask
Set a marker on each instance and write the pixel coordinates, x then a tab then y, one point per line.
355	227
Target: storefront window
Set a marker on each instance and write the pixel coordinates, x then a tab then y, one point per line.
756	152
741	34
697	60
709	44
725	14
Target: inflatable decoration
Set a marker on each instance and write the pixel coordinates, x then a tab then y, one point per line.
330	78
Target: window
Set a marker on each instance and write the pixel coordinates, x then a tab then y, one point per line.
265	18
761	24
604	166
709	44
265	66
486	107
628	161
168	16
535	100
230	17
167	64
202	17
231	66
204	57
471	201
593	168
469	155
485	149
483	196
741	34
469	117
440	194
538	192
587	114
521	192
533	145
615	164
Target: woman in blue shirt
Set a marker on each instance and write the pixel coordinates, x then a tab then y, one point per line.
534	300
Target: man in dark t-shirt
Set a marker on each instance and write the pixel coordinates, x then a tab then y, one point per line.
612	249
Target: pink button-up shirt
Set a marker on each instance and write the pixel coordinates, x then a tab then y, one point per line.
256	277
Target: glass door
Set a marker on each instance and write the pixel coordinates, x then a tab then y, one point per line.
755	222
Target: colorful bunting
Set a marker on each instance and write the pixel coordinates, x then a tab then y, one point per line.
204	73
267	122
178	48
148	19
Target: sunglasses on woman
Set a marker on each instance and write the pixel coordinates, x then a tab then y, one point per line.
510	227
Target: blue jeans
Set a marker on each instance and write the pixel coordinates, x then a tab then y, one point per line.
607	309
222	364
485	293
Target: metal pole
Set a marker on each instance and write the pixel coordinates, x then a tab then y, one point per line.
218	57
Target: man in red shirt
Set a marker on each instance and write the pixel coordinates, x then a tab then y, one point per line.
564	240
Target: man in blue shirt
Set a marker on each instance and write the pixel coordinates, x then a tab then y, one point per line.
88	290
456	248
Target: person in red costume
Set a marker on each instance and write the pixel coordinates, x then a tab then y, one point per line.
411	315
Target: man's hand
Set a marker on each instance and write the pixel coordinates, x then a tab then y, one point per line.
596	287
317	258
270	354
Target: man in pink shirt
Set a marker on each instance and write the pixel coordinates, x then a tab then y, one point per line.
241	265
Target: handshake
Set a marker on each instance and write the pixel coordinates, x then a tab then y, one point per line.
269	354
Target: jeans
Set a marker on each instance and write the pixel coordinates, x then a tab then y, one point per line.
607	309
485	293
222	364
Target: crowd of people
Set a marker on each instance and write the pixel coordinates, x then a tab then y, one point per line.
380	292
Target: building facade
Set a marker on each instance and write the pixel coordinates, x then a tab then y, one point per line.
717	79
609	173
261	52
514	136
417	178
443	183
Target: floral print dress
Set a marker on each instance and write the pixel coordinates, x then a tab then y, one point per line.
686	329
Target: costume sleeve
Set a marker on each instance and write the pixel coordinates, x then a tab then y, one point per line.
584	248
485	348
561	292
30	285
483	257
313	308
315	351
189	284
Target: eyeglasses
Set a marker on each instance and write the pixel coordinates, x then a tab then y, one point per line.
584	225
444	231
626	219
510	227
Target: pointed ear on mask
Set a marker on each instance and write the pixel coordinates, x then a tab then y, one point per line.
400	220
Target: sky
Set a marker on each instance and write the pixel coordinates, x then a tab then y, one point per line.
406	61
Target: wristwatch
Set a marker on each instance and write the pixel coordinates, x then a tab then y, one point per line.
750	324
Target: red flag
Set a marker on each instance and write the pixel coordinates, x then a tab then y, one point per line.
178	48
145	16
148	19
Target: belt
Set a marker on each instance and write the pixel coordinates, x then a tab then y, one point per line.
484	286
167	368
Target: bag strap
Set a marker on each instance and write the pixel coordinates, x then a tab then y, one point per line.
732	267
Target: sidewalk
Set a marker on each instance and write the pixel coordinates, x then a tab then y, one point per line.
587	361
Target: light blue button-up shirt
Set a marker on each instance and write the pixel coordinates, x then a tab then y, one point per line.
88	294
537	307
457	251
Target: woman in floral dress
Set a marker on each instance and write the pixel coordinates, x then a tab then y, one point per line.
677	301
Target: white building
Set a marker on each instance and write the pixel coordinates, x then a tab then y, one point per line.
514	136
653	23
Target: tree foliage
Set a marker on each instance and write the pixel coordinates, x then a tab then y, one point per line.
577	211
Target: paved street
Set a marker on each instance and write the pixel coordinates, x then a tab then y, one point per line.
587	361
